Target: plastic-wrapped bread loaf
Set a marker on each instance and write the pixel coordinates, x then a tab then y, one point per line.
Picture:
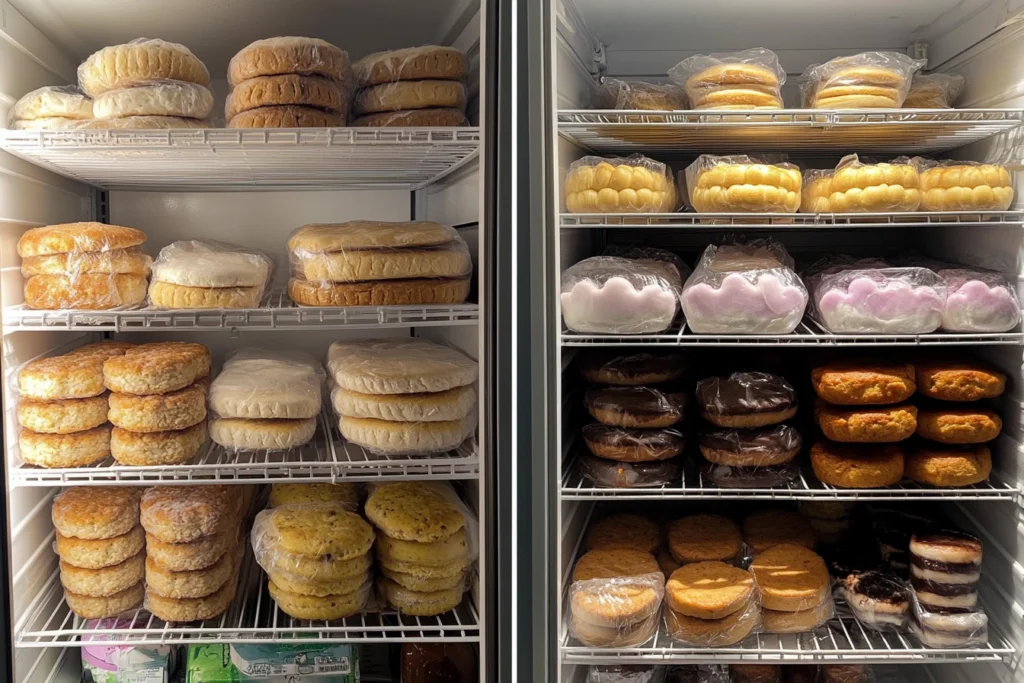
410	64
618	94
286	90
934	91
613	295
141	61
742	184
862	81
263	384
856	187
964	186
289	55
748	79
619	185
63	103
615	597
160	98
198	274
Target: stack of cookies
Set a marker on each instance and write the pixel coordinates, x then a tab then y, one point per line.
347	495
747	443
711	604
158	402
945	568
63	407
417	86
863	416
288	82
766	528
317	558
795	589
100	544
83	266
194	549
423	546
955	423
403	396
615	597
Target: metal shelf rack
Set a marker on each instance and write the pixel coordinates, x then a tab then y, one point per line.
789	221
277	312
400	158
878	131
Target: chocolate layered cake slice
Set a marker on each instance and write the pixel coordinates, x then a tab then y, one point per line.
947	627
877	599
945	569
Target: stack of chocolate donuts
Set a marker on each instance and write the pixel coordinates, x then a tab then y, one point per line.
747	443
635	440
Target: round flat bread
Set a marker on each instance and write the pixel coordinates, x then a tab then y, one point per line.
398	366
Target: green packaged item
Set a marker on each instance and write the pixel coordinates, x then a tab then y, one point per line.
273	663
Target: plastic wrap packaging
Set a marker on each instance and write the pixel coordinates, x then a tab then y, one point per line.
116	663
49	123
624	475
803	621
202	274
612	295
947	629
429	118
746	399
620	611
747	79
634	184
439	663
702	633
53	106
290	55
863	81
870	297
629	368
639	95
433	62
978	301
632	445
635	407
765	476
744	289
437	493
410	95
856	187
697	673
139	62
158	98
953	185
361	263
934	91
742	184
142	123
879	600
650	254
766	446
287	90
625	673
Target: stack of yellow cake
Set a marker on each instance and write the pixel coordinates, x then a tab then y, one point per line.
422	546
417	86
619	185
952	185
158	402
855	187
724	184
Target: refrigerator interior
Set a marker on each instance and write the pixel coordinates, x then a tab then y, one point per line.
251	190
591	40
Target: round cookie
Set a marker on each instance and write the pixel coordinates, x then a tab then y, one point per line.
170	295
157	448
848	466
105	581
63	416
618	603
322	589
286	117
64	377
192	609
185	514
612	563
192	584
438	118
410	64
423	584
319	608
88	607
791	578
699	538
315	568
709	590
958	425
347	494
241	434
879	424
451	549
941	466
64	450
314	530
406	95
380	292
746	399
185	557
140	61
955	381
775	621
624	530
632	445
285	89
100	553
158	368
289	55
95	512
413	511
713	632
418	604
764	447
853	383
172	411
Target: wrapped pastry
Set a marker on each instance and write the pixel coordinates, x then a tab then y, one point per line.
870	297
945	628
612	295
855	187
879	600
862	81
50	107
748	79
198	274
964	186
615	598
744	289
139	62
634	184
632	445
934	91
633	95
628	475
977	300
158	98
742	184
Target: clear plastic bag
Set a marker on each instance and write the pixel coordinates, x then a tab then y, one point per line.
862	81
978	301
639	95
325	532
290	55
634	184
947	629
206	274
879	600
630	368
742	184
746	399
158	98
803	621
66	102
612	295
759	477
934	91
744	289
747	79
398	366
709	633
854	187
638	407
142	123
774	445
141	61
650	254
632	445
617	611
264	384
953	185
612	474
411	64
867	297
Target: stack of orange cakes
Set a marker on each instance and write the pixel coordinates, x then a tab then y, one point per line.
158	402
423	546
194	549
416	86
795	589
62	410
711	604
955	422
863	416
100	544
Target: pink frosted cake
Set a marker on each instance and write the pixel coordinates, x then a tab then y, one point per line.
612	295
978	301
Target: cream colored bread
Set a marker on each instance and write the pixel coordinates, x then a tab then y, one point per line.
981	187
447	550
348	494
414	511
48	123
316	238
63	416
241	434
138	62
422	584
160	412
437	290
87	291
194	263
735	96
410	64
446	261
727	187
322	588
88	607
314	531
286	116
286	89
398	438
77	237
398	366
157	448
289	55
144	123
405	95
432	118
105	581
64	450
865	188
102	552
185	514
96	512
266	388
319	608
167	295
418	604
865	75
440	406
623	187
129	261
62	101
735	73
62	377
179	98
157	368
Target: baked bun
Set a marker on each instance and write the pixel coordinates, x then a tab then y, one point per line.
861	383
742	184
746	399
430	118
613	474
866	424
408	95
286	90
636	407
289	55
69	238
62	101
850	466
632	445
410	64
165	98
434	290
159	412
855	187
65	450
766	446
143	123
623	530
958	425
139	62
438	406
963	186
129	261
613	185
156	368
633	95
71	376
865	80
704	538
394	438
767	528
937	465
748	79
240	434
791	578
709	590
629	368
86	291
62	416
706	633
398	366
949	380
286	116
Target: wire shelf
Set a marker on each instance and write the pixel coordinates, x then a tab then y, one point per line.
228	158
277	312
807	333
789	221
884	131
328	457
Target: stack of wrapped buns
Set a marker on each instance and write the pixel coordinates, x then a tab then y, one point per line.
422	546
855	187
158	402
63	405
51	107
100	544
416	86
795	589
194	549
204	274
288	82
83	265
147	83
